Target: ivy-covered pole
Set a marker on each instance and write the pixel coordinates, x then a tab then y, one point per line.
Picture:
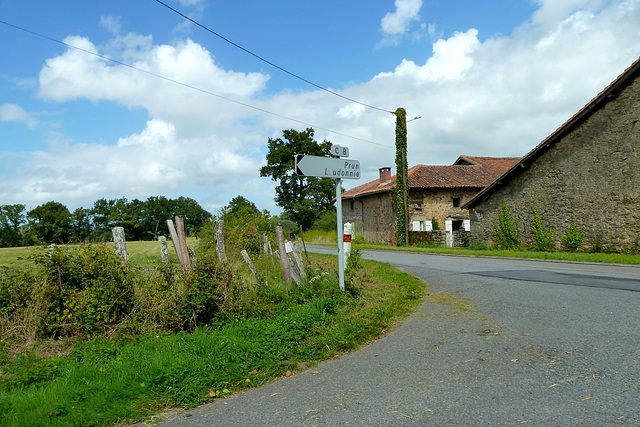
402	178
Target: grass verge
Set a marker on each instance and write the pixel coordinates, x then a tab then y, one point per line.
127	378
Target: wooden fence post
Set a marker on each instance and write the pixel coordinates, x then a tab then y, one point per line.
164	250
252	267
121	243
182	243
293	265
219	236
297	255
282	254
176	242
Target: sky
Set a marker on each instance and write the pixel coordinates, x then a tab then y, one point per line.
129	99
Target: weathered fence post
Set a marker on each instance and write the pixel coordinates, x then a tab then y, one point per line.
297	256
174	240
182	243
164	250
293	265
219	236
252	267
282	254
183	258
121	243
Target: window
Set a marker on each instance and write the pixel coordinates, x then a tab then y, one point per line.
456	202
352	205
417	204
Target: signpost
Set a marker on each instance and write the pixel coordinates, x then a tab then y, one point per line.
327	167
338	169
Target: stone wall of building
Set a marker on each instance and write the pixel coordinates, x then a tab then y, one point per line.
377	221
373	216
590	176
439	237
438	204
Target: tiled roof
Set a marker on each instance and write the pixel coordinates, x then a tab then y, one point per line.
466	172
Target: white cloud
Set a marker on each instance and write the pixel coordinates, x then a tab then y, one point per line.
75	75
398	22
15	113
110	23
552	11
499	97
191	2
154	161
451	58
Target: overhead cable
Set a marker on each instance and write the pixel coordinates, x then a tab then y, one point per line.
271	63
244	104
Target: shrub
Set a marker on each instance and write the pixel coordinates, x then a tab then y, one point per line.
82	290
16	290
573	238
542	237
507	233
434	224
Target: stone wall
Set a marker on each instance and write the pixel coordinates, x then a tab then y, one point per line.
377	221
439	237
590	176
438	204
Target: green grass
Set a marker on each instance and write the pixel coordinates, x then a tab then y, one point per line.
109	380
143	252
12	257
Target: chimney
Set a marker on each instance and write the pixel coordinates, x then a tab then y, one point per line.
385	175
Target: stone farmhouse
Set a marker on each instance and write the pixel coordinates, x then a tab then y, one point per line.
435	192
587	171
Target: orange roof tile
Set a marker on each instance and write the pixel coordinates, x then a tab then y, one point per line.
466	172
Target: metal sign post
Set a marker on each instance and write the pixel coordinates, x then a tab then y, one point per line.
338	169
340	239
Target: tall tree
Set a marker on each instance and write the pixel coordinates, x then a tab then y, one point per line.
11	218
194	215
81	225
303	198
239	206
50	223
156	210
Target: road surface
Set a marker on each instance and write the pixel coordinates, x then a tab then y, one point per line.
547	344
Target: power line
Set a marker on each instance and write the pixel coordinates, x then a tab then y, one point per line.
269	62
244	104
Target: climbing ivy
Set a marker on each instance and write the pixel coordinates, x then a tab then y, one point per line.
402	181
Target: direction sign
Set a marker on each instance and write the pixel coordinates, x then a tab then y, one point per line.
339	151
327	167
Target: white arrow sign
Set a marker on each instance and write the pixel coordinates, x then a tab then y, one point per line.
327	167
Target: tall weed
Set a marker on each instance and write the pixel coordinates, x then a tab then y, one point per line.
507	231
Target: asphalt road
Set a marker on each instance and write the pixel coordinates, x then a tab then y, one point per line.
548	344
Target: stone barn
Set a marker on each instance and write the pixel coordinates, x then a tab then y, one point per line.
435	192
587	171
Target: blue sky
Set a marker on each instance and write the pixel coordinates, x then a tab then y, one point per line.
489	78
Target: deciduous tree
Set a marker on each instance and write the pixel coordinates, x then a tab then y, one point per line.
303	198
11	218
50	223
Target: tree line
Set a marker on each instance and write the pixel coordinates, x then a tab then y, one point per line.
52	222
